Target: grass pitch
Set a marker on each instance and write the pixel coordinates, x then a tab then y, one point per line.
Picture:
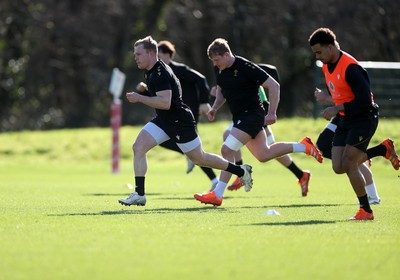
60	218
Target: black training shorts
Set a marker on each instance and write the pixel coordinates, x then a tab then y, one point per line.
180	131
250	121
355	132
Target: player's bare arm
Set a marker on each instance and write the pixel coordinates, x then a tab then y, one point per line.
218	102
273	88
161	101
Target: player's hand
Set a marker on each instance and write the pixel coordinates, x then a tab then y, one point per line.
330	112
270	119
211	114
204	108
319	95
141	87
133	97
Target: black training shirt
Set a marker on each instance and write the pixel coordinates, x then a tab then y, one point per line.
239	85
195	89
161	77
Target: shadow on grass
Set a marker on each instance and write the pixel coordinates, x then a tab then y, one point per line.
143	211
116	194
289	206
305	205
297	223
154	196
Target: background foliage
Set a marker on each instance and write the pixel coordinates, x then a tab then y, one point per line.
56	57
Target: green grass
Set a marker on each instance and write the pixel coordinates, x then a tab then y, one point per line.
59	216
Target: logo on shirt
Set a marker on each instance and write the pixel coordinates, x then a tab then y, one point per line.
235	72
338	76
331	86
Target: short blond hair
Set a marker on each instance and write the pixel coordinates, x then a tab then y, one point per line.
149	44
219	46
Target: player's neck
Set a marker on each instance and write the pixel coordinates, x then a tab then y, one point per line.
231	60
336	56
151	64
167	61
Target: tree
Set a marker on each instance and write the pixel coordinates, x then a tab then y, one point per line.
56	57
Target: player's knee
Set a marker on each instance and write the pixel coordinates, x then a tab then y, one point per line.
263	157
231	146
338	169
197	160
138	147
226	151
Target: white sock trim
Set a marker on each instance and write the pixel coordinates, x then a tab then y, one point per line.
299	148
220	189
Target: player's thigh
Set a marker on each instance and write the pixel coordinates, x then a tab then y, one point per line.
258	146
352	155
145	141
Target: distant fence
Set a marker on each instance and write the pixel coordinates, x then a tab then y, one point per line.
385	85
